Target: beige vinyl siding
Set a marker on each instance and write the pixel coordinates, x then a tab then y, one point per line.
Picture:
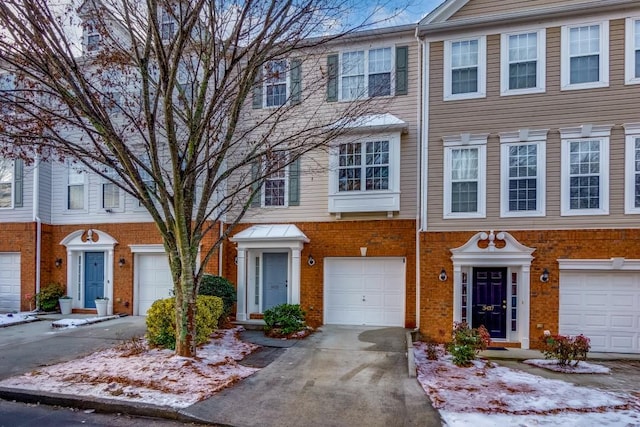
551	110
314	174
475	8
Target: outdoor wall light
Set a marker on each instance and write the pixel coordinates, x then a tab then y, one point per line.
443	275
58	262
121	262
544	277
311	261
235	260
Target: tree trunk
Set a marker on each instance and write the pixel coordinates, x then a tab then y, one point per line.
185	294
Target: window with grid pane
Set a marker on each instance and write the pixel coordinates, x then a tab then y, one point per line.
464	66
584	174
464	180
523	61
523	177
584	54
366	73
276	83
275	183
75	189
6	183
110	193
167	25
363	166
93	36
636	45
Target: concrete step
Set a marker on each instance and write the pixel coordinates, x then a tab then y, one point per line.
251	325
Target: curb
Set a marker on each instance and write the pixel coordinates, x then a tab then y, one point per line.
99	405
411	362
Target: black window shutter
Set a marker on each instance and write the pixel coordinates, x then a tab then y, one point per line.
294	183
296	81
402	70
255	186
18	182
257	90
332	78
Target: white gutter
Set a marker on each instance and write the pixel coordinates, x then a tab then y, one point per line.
220	250
36	218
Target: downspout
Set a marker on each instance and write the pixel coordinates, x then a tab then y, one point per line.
36	218
422	159
220	257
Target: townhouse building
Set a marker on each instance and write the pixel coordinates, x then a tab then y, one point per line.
529	220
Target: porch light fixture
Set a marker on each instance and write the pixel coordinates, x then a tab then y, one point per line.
311	261
235	260
58	262
121	262
544	277
443	275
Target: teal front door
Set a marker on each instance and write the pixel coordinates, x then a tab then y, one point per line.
93	278
275	280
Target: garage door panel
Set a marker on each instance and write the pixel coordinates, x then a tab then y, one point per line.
9	282
154	280
603	307
379	281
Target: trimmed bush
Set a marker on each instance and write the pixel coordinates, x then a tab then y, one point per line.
218	286
47	298
161	320
466	343
288	318
567	349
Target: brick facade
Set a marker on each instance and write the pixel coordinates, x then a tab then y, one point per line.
436	297
383	238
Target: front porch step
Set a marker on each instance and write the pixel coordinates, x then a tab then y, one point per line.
251	324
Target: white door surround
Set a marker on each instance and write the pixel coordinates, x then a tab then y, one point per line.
254	241
481	251
79	242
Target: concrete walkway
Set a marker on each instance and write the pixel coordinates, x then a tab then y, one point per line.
339	376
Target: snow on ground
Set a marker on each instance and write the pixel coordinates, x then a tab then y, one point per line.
581	368
132	372
72	323
489	395
10	318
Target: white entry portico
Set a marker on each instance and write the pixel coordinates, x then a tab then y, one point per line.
263	277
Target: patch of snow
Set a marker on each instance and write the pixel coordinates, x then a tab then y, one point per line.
72	323
152	376
11	318
488	395
581	368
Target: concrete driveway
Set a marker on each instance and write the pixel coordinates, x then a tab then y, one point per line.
339	376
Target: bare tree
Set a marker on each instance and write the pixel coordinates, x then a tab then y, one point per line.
157	97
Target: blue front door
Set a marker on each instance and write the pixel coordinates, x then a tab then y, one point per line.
275	280
93	277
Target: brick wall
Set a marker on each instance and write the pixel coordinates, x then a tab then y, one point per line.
383	238
436	298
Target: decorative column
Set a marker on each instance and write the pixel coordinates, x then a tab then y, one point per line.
241	304
109	288
524	298
295	276
457	292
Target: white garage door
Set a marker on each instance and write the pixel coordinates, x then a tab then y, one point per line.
605	307
9	282
154	280
364	291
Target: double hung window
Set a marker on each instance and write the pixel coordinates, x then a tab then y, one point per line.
585	56
465	68
366	73
523	62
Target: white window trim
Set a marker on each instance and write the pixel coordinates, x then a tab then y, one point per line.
263	192
632	132
392	80
11	164
630	49
367	200
89	31
85	185
462	141
482	70
121	198
567	135
523	137
541	67
565	62
287	86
